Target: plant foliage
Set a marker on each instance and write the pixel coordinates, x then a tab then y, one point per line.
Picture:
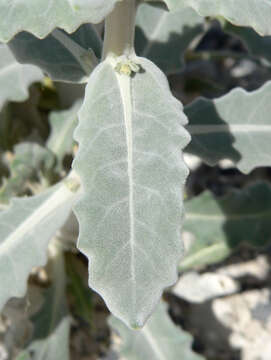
113	155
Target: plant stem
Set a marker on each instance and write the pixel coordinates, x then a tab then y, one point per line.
59	280
120	29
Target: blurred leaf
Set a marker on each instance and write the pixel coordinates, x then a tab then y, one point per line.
14	77
81	294
26	227
160	339
23	121
55	346
25	164
257	45
62	125
52	323
252	13
221	224
32	15
236	127
64	57
160	33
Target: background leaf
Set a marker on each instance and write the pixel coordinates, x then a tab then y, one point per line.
20	247
55	346
62	125
221	224
160	339
33	15
82	297
160	33
73	57
14	77
236	127
132	173
52	323
254	13
257	45
28	161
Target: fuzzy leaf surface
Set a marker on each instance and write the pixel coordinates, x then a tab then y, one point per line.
41	17
236	126
73	58
130	163
221	224
62	125
254	13
160	33
26	227
14	77
160	339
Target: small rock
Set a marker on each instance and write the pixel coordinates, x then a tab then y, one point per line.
198	288
248	316
258	268
192	161
3	353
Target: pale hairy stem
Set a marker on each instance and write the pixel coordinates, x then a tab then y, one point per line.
120	29
86	58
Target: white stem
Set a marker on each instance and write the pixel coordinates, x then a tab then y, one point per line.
120	29
86	58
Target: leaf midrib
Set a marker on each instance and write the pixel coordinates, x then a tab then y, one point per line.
55	200
235	217
124	82
153	344
227	128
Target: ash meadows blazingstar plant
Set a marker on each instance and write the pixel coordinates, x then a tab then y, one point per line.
128	174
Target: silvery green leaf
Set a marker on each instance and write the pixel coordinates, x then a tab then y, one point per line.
28	160
236	127
258	46
14	77
254	13
26	227
50	339
160	33
40	17
160	339
130	163
62	124
220	224
73	58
